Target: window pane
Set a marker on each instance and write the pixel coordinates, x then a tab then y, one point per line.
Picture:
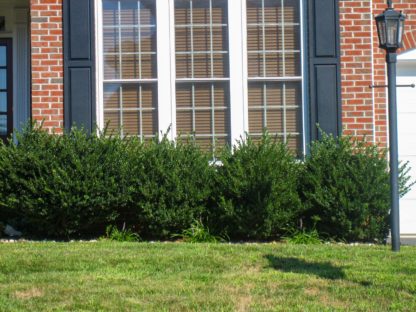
3	125
3	56
292	64
274	43
203	111
111	67
110	12
199	11
130	56
129	39
3	102
133	107
201	39
112	121
201	33
277	107
273	11
128	12
3	78
110	40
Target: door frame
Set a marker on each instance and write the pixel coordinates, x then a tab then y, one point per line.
8	42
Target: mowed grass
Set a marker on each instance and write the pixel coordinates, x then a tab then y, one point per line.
108	276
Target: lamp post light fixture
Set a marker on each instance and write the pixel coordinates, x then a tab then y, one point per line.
390	26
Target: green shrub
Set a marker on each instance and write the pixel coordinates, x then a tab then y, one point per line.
175	185
257	195
76	184
63	185
346	184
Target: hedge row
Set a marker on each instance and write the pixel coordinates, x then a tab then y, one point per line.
75	185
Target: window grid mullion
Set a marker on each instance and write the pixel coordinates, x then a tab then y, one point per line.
129	109
141	112
284	73
272	51
283	38
130	80
199	25
284	113
131	53
264	105
193	108
263	28
211	45
139	39
120	54
213	116
192	38
128	26
199	52
121	111
271	24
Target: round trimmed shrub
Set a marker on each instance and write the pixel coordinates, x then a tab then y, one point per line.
345	186
63	186
174	185
257	190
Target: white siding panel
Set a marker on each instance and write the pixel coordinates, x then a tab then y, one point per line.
406	106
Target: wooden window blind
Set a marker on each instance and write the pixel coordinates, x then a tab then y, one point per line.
130	69
202	78
275	69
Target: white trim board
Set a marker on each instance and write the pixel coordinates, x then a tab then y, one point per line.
17	28
407	56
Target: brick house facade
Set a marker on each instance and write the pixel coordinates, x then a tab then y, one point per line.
290	64
364	110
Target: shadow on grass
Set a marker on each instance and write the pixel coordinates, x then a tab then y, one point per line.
294	265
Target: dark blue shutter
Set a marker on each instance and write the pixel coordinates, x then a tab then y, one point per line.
79	63
324	67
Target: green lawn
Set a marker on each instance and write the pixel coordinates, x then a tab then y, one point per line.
108	276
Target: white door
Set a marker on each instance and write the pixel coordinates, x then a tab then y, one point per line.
406	105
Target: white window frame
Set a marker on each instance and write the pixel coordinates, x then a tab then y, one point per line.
166	68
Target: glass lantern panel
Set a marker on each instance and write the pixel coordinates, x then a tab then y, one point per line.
400	35
392	32
381	28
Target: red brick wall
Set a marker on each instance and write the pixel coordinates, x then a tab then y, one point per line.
364	110
47	63
356	70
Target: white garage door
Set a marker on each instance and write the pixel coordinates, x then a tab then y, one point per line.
406	105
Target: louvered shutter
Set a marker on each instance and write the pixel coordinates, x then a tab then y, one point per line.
79	63
324	67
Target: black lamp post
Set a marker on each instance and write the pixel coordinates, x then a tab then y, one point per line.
390	26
